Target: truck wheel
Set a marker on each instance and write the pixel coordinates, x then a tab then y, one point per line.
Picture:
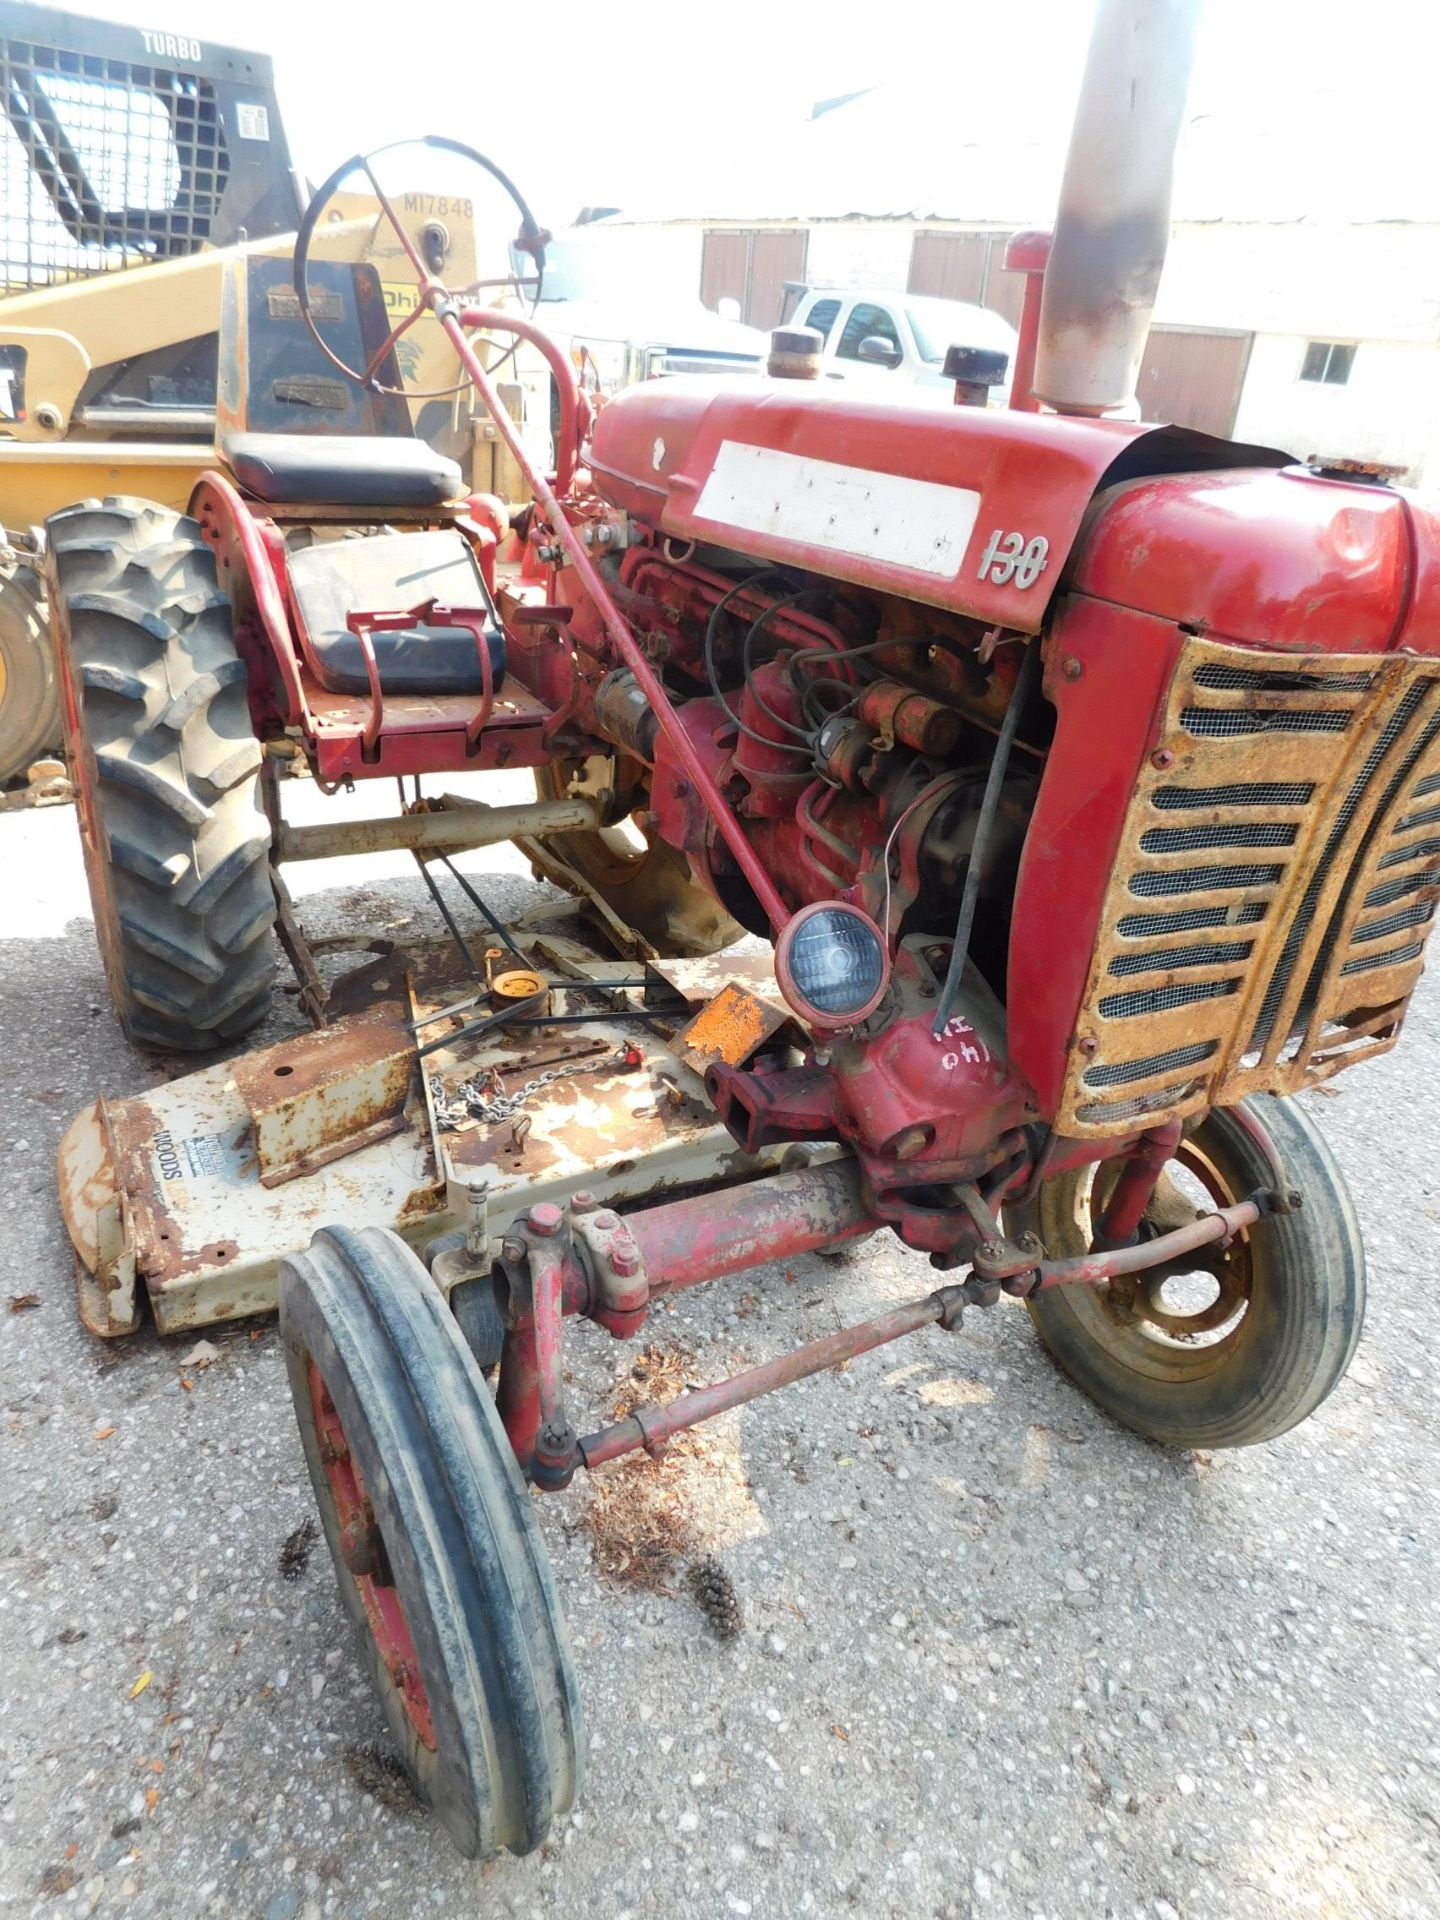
1229	1347
29	685
642	879
437	1553
165	767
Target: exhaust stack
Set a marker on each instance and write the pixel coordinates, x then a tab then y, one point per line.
1112	226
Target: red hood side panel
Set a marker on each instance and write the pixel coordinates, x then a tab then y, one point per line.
1286	559
907	499
1420	629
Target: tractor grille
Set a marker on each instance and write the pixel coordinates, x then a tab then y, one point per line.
103	163
1274	886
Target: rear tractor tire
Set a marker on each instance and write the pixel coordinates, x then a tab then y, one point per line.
165	767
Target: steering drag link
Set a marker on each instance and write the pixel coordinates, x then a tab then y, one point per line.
592	1261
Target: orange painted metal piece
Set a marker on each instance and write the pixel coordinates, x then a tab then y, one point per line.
729	1028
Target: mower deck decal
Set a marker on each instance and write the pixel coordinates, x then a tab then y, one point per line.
919	524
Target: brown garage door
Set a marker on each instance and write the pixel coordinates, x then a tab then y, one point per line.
966	266
1190	378
751	266
724	268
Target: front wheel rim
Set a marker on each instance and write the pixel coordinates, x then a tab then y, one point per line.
367	1561
1157	1322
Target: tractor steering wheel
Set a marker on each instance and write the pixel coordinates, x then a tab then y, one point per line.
531	239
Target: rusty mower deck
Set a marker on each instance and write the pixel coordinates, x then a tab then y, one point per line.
402	1113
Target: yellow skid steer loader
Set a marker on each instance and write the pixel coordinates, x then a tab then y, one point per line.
133	166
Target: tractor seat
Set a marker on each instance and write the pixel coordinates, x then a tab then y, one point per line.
341	470
393	573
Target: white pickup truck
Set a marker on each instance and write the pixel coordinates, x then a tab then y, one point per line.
589	301
897	341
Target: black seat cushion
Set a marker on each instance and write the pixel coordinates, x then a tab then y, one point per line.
354	470
394	573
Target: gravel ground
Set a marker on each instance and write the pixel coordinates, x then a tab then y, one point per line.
999	1656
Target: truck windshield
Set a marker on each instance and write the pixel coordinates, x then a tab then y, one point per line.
573	271
940	324
932	333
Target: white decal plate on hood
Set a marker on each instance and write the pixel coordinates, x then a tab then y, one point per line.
919	524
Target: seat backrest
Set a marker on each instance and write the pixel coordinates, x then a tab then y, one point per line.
273	377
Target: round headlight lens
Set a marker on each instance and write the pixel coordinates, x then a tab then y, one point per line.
831	964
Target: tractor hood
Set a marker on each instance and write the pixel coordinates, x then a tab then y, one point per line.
971	509
1290	559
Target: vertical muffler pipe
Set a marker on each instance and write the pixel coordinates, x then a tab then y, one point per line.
1113	222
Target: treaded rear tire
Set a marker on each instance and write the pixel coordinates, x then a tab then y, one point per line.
165	767
29	684
462	1553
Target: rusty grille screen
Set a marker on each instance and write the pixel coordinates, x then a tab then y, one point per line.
1268	908
104	163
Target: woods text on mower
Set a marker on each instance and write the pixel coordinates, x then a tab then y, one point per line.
1085	775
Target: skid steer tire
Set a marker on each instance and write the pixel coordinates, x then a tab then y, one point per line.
437	1551
644	881
29	684
165	767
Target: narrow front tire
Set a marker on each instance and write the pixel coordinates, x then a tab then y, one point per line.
437	1553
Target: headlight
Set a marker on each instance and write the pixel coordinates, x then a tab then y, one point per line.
831	963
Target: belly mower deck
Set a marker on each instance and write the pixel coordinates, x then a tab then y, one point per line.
397	1115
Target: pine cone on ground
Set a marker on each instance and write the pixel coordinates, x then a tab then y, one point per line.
716	1597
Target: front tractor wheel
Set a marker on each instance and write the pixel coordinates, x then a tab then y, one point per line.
165	767
439	1559
1231	1346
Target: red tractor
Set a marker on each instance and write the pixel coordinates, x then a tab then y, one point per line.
1085	776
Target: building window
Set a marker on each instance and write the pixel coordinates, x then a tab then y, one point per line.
1327	364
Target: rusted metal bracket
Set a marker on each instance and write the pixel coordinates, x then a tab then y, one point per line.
998	1261
1285	1195
320	1097
607	1250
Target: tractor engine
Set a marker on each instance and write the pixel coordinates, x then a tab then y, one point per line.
839	724
854	735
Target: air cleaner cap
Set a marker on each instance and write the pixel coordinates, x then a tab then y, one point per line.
832	964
